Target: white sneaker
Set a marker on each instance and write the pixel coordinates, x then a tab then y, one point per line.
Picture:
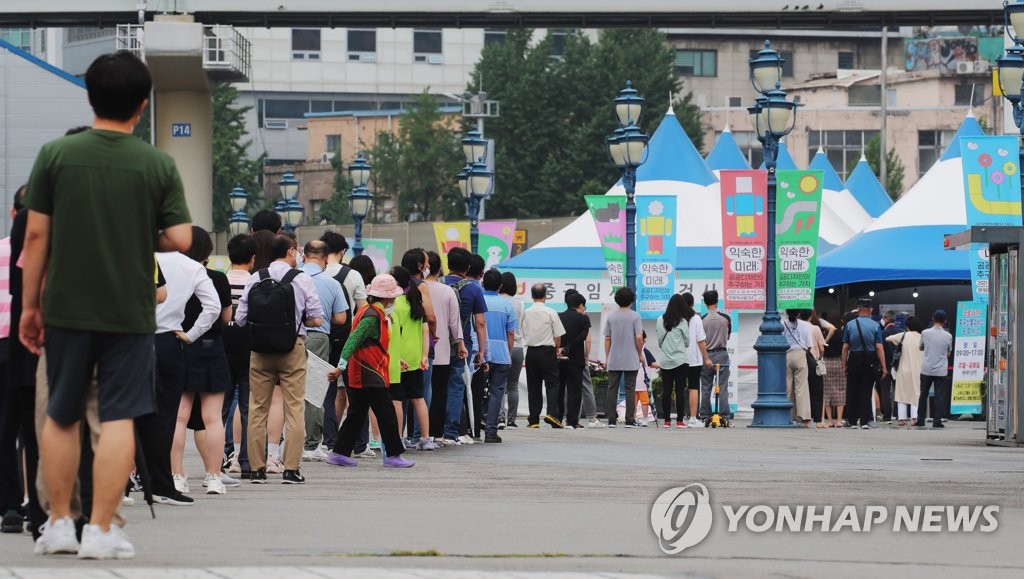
213	484
57	537
320	454
113	544
595	423
228	481
274	465
368	453
181	484
465	439
127	501
694	423
311	456
234	466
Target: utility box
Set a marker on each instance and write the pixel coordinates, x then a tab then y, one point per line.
1004	393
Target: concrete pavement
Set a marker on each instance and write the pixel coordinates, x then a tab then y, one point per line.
564	501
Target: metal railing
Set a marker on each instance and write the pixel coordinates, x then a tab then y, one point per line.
227	54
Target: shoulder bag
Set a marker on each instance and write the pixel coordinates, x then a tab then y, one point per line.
897	353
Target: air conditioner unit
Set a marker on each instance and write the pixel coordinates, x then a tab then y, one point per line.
436	59
980	66
368	57
275	124
326	158
964	67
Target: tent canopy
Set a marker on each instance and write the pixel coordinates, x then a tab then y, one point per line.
841	216
867	190
726	154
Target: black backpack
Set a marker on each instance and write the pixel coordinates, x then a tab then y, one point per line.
458	287
271	319
339	334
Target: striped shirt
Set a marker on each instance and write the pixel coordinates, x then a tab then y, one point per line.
5	287
237	279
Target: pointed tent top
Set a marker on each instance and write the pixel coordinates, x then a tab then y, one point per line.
867	190
785	160
671	156
820	151
671	110
830	180
727	129
863	157
968	128
726	154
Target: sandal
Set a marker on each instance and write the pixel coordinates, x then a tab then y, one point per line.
820	425
902	422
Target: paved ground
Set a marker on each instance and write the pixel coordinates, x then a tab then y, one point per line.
579	502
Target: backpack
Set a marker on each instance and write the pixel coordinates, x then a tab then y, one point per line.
271	320
340	333
464	320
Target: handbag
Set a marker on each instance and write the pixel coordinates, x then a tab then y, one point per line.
897	353
819	367
812	362
874	366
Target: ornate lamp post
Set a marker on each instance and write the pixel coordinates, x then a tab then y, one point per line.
475	182
627	149
773	117
289	208
360	200
238	223
1011	64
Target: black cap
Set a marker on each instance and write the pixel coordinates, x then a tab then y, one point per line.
865	303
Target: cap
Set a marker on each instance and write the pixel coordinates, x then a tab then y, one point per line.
865	303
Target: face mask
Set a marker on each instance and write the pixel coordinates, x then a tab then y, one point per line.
388	310
425	272
298	260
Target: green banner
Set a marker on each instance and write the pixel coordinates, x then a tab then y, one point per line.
797	213
609	213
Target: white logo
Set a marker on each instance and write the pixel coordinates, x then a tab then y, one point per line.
681	517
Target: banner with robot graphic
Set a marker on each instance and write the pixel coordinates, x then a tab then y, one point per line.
655	253
744	239
797	215
609	213
991	180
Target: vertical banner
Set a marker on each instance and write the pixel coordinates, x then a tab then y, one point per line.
979	272
655	253
968	358
744	238
495	241
991	180
450	236
798	208
379	250
609	213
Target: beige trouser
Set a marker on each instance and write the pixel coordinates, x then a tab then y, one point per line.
266	371
92	421
797	388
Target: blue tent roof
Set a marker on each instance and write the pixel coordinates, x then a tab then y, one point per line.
830	180
785	161
671	156
968	128
866	189
726	154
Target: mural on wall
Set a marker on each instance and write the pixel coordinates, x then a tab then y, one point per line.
941	54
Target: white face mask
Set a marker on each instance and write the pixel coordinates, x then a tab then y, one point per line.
425	272
388	310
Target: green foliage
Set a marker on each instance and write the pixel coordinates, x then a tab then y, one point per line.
142	129
895	171
231	163
417	167
336	210
557	112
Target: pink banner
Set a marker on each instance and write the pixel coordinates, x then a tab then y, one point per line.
495	243
744	238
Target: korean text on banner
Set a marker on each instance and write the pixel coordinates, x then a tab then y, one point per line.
979	272
968	358
991	180
609	213
450	236
495	242
798	208
744	238
655	254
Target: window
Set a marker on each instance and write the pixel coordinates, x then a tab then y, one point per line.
865	95
845	60
426	42
963	93
843	148
320	106
332	144
558	36
494	36
285	108
930	145
305	44
87	33
749	146
696	62
735	102
362	44
21	38
787	65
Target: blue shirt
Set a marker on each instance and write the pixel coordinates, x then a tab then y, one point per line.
501	319
871	330
332	299
471	301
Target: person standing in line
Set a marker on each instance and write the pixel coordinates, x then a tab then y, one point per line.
815	383
87	222
318	339
472	308
542	333
700	361
510	405
884	387
908	372
573	359
365	358
798	334
415	260
835	379
242	254
270	367
862	356
448	344
717	329
409	350
624	350
936	343
501	332
589	408
673	333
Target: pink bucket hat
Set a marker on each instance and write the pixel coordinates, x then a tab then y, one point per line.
385	287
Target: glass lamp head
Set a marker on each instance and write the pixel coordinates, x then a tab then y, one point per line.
359	171
766	69
289	186
629	106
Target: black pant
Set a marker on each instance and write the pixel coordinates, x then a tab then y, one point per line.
360	401
541	369
884	388
860	387
673	380
10	424
170	380
480	388
239	373
816	386
438	398
570	389
942	393
156	448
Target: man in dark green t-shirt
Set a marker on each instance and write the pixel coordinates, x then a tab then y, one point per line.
100	202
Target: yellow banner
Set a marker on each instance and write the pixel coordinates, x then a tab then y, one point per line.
448	236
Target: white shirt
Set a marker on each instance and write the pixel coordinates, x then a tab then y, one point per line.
353	283
697	335
800	337
184	278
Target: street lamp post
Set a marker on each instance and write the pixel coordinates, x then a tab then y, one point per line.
289	208
475	182
238	223
773	117
627	148
1011	66
360	200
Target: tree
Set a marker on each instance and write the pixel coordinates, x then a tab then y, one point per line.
231	163
556	113
893	167
417	166
336	210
